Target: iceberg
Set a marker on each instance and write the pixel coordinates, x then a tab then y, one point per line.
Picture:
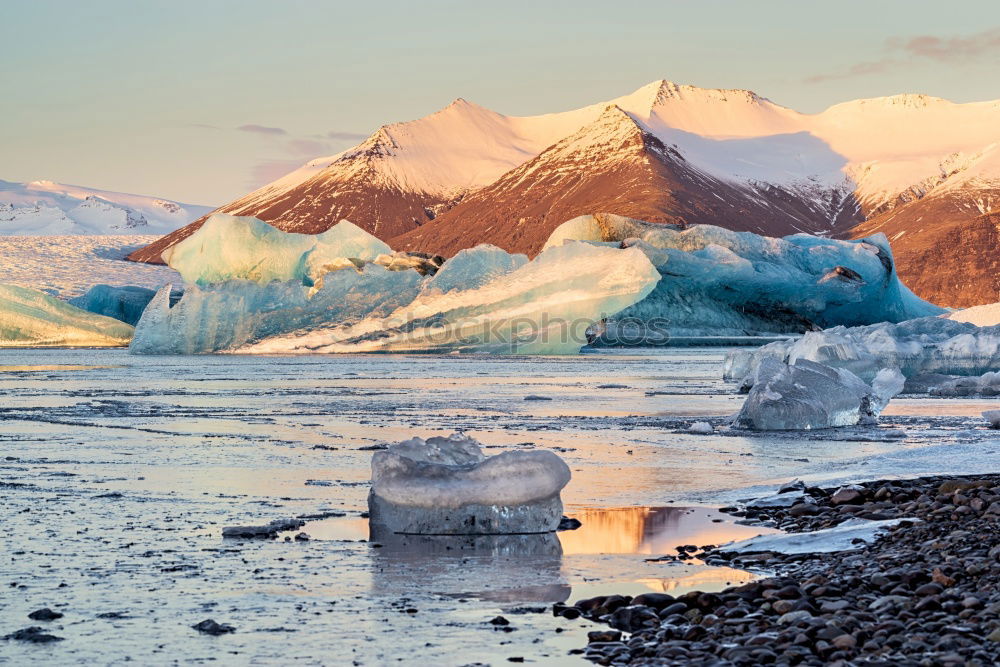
987	384
993	417
806	395
229	247
29	318
122	303
923	346
233	314
544	306
726	285
446	486
482	300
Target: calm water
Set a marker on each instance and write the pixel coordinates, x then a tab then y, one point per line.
119	473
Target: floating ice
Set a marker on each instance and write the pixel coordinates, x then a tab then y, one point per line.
993	417
987	384
122	303
287	293
843	537
540	307
725	285
446	486
916	347
807	395
29	318
227	316
227	247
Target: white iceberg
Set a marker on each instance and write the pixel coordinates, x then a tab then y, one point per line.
29	318
228	247
124	303
727	285
806	395
916	347
846	536
446	486
987	384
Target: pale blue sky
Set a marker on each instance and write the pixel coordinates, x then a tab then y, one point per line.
147	97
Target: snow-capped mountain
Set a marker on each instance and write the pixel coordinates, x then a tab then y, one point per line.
44	208
667	153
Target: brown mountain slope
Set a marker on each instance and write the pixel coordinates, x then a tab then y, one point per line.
355	188
945	251
611	166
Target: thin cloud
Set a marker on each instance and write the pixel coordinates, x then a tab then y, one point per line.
345	136
262	129
952	48
860	69
901	51
204	126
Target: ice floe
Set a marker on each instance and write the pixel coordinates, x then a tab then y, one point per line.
915	347
807	395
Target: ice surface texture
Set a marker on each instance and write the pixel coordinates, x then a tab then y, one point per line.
916	347
447	486
716	282
122	303
806	395
31	318
482	300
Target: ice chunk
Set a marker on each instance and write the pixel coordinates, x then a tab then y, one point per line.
987	384
723	285
993	417
543	307
227	247
915	347
446	486
122	303
703	428
830	540
807	395
29	318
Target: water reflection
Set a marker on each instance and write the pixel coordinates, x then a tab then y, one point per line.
649	530
608	552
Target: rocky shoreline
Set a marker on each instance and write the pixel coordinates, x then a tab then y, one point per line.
927	592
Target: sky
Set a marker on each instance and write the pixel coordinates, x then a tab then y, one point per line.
203	101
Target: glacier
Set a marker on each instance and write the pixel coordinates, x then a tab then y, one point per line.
923	346
29	318
482	300
805	395
124	303
447	486
725	285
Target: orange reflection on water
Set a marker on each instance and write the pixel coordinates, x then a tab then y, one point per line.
649	530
